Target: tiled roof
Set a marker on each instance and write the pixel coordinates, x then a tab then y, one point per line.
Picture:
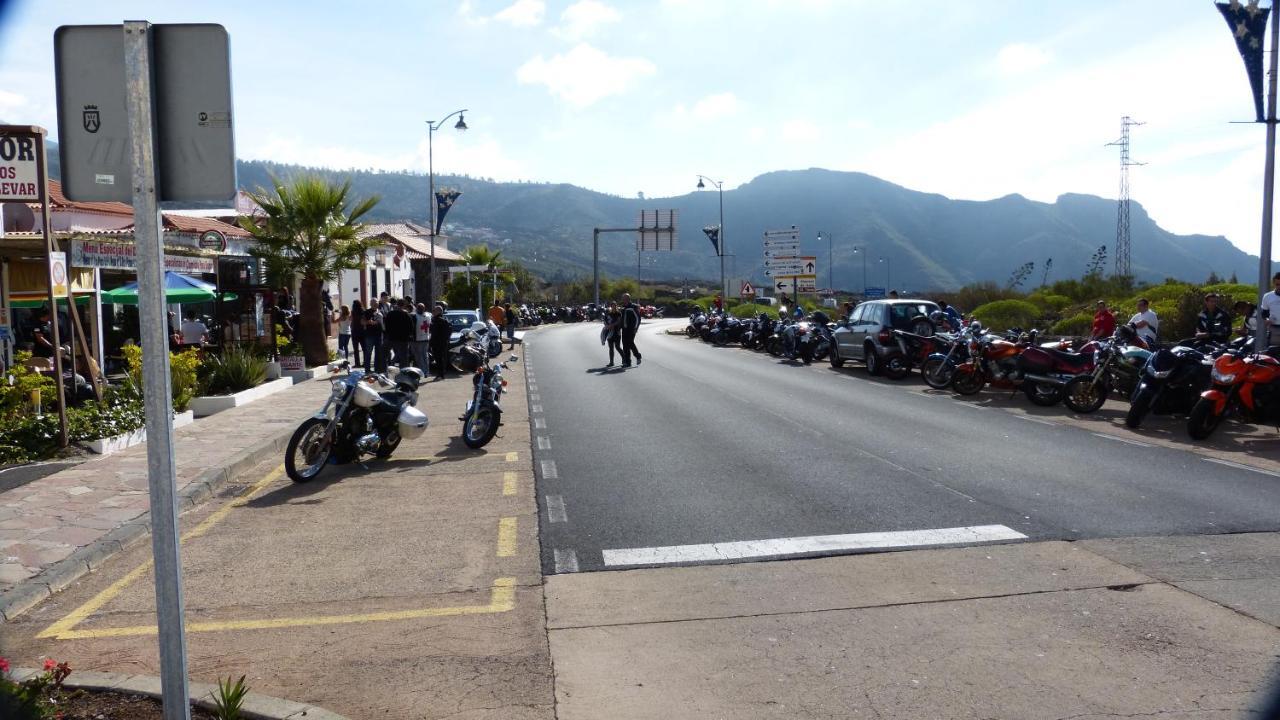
108	208
197	225
415	238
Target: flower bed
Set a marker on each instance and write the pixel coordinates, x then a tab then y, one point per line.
116	443
210	404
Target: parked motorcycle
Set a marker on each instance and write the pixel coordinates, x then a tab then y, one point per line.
483	413
1003	363
1117	363
1246	385
366	414
1171	382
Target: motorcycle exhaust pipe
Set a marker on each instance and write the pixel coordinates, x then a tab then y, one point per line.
1049	380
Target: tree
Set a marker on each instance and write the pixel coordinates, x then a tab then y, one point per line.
311	229
1097	262
1020	275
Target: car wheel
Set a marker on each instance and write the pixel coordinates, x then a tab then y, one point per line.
836	360
872	360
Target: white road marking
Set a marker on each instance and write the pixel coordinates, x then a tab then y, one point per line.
1042	421
566	561
535	398
1123	440
555	509
1240	466
549	471
818	543
539	423
544	442
533	388
971	405
535	409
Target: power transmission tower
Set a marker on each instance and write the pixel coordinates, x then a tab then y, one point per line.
1122	211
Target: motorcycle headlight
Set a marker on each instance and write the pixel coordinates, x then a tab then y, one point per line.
1097	356
339	388
1225	378
1160	374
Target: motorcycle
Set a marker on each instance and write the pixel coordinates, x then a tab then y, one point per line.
366	414
483	414
1171	382
1244	384
1117	363
1017	365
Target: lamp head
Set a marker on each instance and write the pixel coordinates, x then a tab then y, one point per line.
701	185
461	124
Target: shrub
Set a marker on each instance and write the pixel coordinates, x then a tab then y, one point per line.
31	699
24	438
121	411
15	394
1159	293
1048	302
183	378
1239	291
1076	325
1005	314
233	370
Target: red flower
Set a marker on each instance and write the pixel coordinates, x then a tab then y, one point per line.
49	664
4	666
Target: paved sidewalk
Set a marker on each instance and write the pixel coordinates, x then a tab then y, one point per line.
57	528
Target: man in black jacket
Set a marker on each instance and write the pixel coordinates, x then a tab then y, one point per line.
398	334
630	326
1213	323
440	332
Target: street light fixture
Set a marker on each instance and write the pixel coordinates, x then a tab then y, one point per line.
888	282
724	290
831	284
861	250
432	126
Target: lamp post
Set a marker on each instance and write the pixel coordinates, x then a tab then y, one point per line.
831	284
724	289
888	274
863	252
432	126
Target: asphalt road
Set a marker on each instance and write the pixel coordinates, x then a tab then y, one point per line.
703	445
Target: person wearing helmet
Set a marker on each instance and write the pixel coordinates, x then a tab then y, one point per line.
941	321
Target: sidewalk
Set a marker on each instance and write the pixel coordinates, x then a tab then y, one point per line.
55	529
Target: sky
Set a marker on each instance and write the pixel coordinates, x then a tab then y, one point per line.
973	99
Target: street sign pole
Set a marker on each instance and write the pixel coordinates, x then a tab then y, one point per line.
140	104
42	160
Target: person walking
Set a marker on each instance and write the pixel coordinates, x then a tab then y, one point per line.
440	332
357	332
375	354
498	316
511	323
612	334
344	331
1104	322
422	339
630	326
398	326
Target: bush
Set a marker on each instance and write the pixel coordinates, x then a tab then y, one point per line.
1168	292
1239	291
1005	314
1076	325
25	438
1048	302
121	411
233	370
16	397
183	378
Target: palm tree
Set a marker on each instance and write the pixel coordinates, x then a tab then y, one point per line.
482	255
309	230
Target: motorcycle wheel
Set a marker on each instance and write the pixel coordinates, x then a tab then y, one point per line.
873	362
388	445
1043	394
480	427
308	444
1203	420
691	332
936	373
968	383
1139	407
896	367
775	346
820	352
1083	395
836	360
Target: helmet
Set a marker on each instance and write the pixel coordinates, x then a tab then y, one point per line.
409	378
468	359
938	318
478	327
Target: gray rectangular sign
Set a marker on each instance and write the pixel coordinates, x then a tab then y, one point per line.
196	152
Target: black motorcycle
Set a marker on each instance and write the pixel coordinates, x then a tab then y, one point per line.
366	414
1171	382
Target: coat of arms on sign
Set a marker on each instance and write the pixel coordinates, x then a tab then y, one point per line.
91	119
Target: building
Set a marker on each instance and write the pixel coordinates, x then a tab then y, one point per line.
400	265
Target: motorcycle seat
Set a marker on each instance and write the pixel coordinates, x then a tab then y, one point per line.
1069	358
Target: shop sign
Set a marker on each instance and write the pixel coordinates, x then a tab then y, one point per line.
118	256
5	332
213	240
19	172
58	273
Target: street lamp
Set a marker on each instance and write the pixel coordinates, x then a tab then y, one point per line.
724	290
863	251
831	284
888	282
432	126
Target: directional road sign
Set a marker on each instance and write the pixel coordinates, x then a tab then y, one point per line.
800	283
774	267
873	292
781	243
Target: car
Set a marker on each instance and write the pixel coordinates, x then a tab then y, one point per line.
865	336
460	320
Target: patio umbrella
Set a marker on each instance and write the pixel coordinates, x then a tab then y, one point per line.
179	289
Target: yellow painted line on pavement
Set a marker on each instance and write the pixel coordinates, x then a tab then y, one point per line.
502	596
507	537
512	456
77	616
509	483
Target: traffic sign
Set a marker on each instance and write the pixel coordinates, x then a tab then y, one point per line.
657	230
781	251
873	292
58	273
798	282
747	289
809	265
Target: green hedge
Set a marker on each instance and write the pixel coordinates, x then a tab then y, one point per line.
1005	314
1075	325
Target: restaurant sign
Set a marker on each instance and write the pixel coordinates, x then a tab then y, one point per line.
119	256
19	179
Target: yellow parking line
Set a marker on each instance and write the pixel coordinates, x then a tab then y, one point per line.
507	537
501	599
512	456
509	483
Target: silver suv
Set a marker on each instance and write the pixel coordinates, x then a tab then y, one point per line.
866	335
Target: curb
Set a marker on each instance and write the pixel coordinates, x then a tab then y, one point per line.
56	577
256	706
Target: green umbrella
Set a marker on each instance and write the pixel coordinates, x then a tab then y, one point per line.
179	289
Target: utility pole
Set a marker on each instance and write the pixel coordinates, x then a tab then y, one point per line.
1123	267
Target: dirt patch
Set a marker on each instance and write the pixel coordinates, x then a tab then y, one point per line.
96	705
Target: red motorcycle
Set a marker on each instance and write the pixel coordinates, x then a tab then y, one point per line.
1019	364
1244	384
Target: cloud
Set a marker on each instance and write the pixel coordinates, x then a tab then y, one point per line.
522	13
11	102
582	19
1020	58
716	106
584	75
800	131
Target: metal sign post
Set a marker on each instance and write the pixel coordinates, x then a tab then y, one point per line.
657	232
140	106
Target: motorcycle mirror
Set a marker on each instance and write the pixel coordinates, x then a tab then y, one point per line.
513	358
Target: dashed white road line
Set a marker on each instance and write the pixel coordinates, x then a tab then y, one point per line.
1042	421
544	442
566	561
799	545
535	398
1240	466
1127	441
539	423
549	471
555	509
535	409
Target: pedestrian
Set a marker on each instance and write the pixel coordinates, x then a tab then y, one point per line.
384	303
630	326
953	315
194	332
1248	314
1213	323
398	333
498	316
719	303
440	332
357	332
344	331
511	323
40	334
848	311
375	354
612	334
422	339
326	306
893	294
1146	322
1271	310
284	300
1104	322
